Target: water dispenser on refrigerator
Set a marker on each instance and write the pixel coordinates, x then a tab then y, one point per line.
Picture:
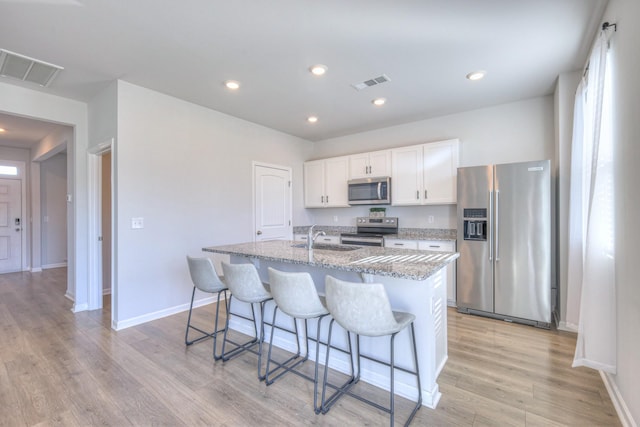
475	224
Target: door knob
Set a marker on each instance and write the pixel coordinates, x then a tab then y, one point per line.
17	229
258	232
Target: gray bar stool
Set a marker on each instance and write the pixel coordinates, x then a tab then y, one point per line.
295	295
364	309
245	285
205	278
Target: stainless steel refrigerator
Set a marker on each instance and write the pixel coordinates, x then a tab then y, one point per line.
504	240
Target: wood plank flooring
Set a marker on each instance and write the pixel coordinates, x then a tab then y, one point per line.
60	368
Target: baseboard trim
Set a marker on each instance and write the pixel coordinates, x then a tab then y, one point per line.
58	265
618	402
70	297
79	307
106	291
134	321
36	270
567	327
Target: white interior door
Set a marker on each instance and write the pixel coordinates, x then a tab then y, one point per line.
272	188
10	225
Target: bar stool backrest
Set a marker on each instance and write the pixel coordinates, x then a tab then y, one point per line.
362	308
203	275
244	283
295	294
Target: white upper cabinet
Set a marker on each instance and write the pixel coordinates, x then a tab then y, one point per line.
440	172
406	178
325	183
314	184
425	174
368	165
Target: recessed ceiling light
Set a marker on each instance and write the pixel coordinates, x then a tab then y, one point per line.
378	102
312	119
318	70
476	75
1	130
232	84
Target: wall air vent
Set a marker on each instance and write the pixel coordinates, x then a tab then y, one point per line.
371	82
27	69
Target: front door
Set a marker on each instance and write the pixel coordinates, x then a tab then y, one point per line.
10	225
272	203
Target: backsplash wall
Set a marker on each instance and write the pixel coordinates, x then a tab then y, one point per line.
444	216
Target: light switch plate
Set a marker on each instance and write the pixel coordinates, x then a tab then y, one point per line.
137	223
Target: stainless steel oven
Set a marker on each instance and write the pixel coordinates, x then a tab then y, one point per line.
370	231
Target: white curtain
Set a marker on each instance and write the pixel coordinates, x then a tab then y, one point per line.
591	303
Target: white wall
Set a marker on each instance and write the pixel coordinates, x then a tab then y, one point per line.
190	179
513	132
53	189
38	105
103	115
626	96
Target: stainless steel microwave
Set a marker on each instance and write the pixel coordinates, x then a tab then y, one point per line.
370	191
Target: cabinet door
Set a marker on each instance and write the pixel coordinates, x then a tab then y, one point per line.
314	184
336	175
440	169
406	181
380	163
359	166
444	246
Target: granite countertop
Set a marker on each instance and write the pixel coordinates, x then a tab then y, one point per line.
400	263
403	233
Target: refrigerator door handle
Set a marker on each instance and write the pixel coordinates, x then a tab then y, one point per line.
490	231
497	224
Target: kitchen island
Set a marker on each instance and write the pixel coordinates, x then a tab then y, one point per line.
414	280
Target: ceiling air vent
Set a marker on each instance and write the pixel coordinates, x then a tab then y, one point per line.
27	69
371	82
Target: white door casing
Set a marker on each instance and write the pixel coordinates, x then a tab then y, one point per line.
272	202
11	225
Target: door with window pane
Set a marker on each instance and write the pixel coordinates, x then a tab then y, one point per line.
10	225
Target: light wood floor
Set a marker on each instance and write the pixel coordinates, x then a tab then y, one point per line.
60	368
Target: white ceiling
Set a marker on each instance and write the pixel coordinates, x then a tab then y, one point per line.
187	49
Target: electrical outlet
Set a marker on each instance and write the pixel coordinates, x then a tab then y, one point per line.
431	219
335	218
137	223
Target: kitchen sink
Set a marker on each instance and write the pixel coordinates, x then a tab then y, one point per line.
328	247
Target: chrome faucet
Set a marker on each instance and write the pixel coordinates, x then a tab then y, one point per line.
312	237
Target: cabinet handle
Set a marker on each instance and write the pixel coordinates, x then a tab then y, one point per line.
434	246
327	240
417	194
327	199
398	244
425	194
321	199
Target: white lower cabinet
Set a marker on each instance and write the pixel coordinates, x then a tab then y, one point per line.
328	239
400	243
319	239
444	246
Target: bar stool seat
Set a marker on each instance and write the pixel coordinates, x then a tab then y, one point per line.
205	278
364	309
245	286
295	295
